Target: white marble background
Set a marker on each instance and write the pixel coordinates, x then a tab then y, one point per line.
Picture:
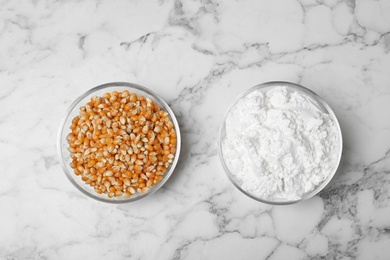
198	55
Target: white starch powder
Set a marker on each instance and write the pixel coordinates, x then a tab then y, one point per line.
279	143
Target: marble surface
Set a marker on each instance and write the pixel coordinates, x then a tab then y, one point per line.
198	55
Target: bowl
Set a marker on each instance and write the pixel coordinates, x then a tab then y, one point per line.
62	144
322	105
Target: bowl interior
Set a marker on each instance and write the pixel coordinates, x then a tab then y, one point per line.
73	111
319	102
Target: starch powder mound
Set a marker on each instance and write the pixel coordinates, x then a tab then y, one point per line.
279	144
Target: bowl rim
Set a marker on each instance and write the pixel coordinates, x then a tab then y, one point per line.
316	98
77	101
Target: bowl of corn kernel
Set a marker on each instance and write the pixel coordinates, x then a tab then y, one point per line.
119	142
